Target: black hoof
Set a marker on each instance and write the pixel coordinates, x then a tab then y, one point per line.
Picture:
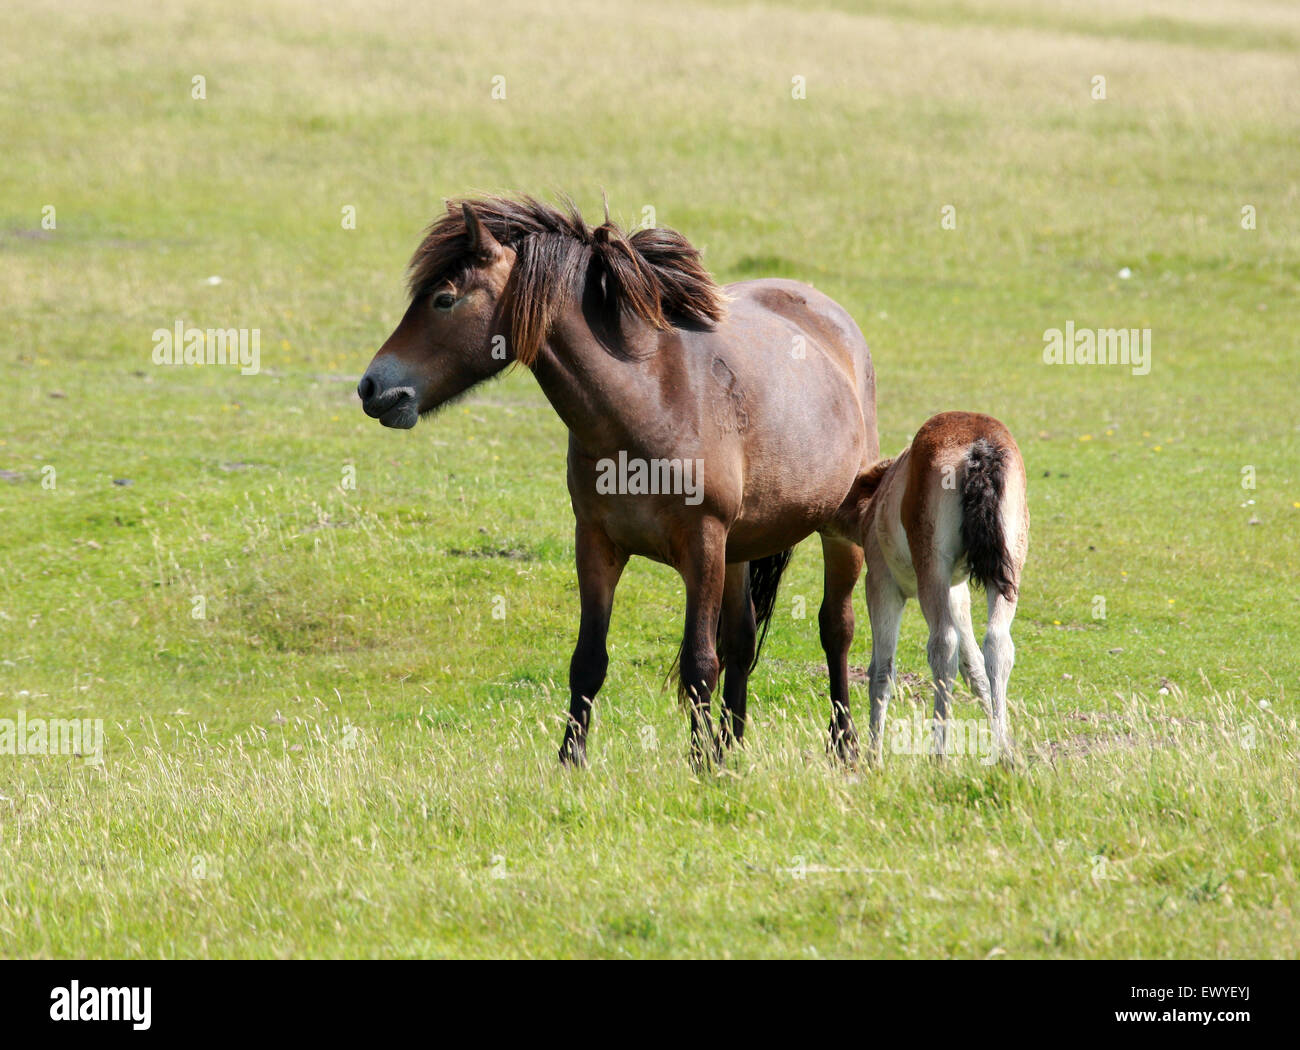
843	744
706	760
573	753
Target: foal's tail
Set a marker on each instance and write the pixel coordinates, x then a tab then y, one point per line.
982	532
764	578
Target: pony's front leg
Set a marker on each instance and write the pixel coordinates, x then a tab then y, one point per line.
600	564
703	571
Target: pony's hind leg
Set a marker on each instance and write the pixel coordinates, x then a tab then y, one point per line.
999	656
972	659
972	665
736	636
600	564
943	648
843	566
885	607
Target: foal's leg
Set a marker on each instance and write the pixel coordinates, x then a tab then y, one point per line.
972	659
999	655
885	607
934	594
843	566
600	564
737	637
703	571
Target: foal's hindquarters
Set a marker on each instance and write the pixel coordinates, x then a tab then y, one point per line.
950	508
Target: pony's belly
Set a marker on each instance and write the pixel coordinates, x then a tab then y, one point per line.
748	543
766	512
899	559
891	537
768	525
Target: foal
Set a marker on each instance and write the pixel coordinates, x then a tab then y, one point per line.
950	507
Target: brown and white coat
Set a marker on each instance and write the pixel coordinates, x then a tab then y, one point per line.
950	508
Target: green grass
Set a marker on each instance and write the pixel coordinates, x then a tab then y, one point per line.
357	757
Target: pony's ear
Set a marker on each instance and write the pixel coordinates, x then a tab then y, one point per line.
481	242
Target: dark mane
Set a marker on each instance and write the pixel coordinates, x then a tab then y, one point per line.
654	274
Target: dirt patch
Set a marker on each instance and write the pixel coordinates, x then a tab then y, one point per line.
1083	745
30	235
908	680
1086	745
511	553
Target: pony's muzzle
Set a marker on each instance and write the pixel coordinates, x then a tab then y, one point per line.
393	405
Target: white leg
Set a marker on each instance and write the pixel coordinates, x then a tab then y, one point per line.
943	651
885	607
973	670
999	656
972	659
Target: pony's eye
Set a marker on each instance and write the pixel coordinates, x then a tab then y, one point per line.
444	301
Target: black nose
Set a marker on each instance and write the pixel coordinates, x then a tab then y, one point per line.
388	393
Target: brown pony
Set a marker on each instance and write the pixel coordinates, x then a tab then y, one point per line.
710	429
950	508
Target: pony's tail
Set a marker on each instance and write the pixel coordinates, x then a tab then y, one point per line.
982	533
764	578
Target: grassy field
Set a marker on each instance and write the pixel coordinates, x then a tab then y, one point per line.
322	736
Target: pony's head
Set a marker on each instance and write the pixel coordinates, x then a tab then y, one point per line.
445	342
489	281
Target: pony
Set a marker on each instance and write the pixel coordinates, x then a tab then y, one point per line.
765	389
950	508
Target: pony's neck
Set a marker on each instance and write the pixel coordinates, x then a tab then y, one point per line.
598	394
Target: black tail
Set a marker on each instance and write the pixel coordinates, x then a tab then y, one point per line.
764	578
981	519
